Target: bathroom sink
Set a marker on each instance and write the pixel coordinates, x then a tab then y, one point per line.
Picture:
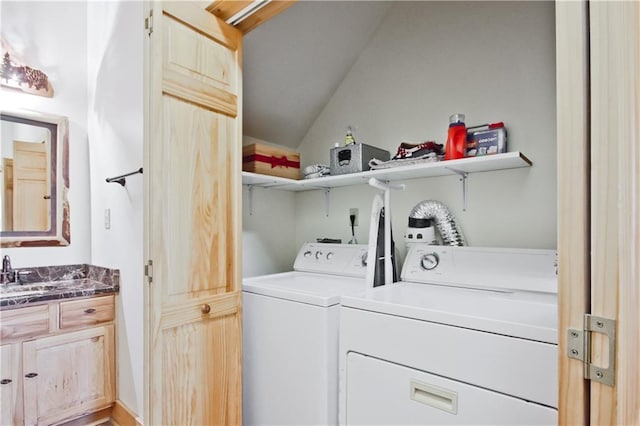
31	286
17	290
6	294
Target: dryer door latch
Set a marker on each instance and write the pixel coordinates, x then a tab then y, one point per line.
579	346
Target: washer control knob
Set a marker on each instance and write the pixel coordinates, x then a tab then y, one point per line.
318	255
363	259
329	255
307	253
429	261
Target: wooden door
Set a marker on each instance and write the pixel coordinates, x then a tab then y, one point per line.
598	60
7	194
68	375
193	219
31	197
615	213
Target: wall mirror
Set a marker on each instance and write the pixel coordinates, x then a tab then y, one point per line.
34	172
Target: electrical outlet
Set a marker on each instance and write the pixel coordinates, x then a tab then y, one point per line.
354	212
107	218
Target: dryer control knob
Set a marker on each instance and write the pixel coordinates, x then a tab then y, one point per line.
429	261
307	253
329	255
318	255
363	259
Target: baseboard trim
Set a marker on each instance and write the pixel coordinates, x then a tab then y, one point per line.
122	415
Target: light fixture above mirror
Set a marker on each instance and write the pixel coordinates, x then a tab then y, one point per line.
34	179
16	75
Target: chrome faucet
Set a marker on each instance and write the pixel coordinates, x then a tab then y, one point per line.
7	271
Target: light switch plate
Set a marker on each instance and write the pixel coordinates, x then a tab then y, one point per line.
107	218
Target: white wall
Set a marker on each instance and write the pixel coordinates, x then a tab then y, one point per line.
21	132
427	60
51	36
268	232
268	235
115	37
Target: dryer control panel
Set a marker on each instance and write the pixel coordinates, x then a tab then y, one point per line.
510	269
338	259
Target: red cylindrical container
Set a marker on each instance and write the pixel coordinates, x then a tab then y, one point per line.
456	138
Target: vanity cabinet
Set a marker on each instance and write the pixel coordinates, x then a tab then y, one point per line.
60	363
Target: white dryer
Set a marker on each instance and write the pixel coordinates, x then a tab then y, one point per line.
290	336
469	336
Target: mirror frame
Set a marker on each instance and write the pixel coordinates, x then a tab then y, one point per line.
60	232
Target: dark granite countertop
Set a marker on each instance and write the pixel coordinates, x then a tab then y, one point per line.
59	282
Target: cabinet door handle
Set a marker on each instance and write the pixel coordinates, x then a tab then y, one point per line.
5	381
206	308
30	375
89	311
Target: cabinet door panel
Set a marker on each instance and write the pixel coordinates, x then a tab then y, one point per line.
68	375
10	387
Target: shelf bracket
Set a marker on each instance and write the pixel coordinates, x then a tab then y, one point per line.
463	179
327	200
250	189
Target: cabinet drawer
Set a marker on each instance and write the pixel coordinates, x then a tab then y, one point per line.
384	393
24	322
86	312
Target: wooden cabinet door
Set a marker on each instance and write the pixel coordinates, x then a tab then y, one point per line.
68	375
31	206
10	384
193	181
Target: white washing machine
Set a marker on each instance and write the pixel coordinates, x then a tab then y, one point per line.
290	336
469	336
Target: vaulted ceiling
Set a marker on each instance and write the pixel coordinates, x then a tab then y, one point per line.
294	63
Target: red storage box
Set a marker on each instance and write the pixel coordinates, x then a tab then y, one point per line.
268	160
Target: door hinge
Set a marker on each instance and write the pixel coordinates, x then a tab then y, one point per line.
148	271
148	23
579	347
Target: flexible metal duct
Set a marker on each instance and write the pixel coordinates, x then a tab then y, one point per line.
445	222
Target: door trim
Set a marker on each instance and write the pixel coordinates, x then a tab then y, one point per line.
572	100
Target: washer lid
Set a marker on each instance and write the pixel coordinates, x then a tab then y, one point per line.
526	315
305	287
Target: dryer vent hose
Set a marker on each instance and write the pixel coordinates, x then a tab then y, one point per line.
445	222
